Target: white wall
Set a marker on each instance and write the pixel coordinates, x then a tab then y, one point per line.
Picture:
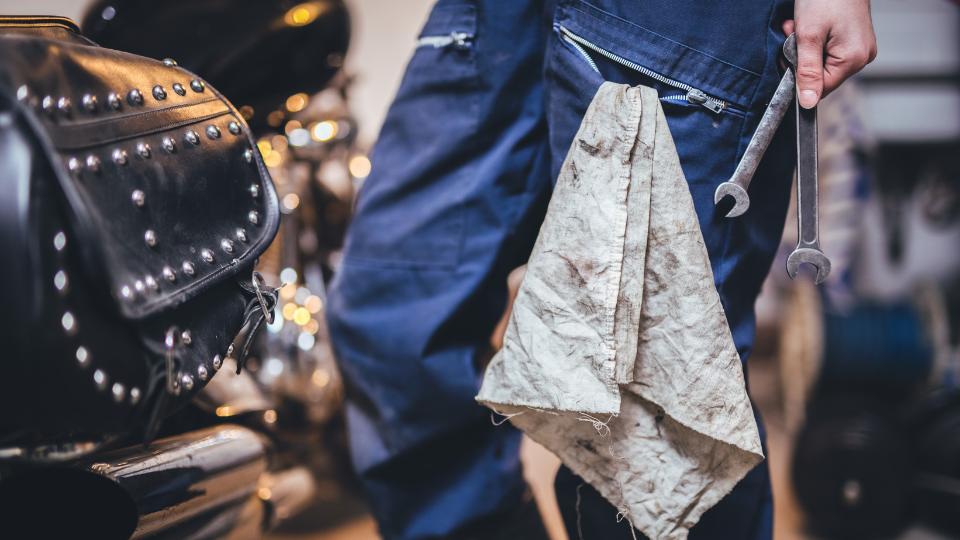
383	38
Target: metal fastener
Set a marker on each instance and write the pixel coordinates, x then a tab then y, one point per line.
186	337
114	101
169	144
64	106
186	381
206	255
159	93
69	323
254	190
242	235
234	127
188	268
74	165
119	156
197	85
248	155
100	378
49	105
139	286
150	237
135	97
60	281
179	89
126	292
202	373
254	217
192	137
139	198
134	395
213	132
217	362
89	102
59	241
169	62
169	274
93	163
226	245
83	356
151	283
118	391
143	150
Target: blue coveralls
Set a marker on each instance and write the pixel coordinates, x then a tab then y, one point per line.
461	175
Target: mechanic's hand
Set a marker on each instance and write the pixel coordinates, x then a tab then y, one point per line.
513	287
835	39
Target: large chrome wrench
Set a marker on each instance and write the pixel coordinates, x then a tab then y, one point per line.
808	226
737	186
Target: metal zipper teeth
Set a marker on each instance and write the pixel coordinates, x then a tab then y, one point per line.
459	39
694	95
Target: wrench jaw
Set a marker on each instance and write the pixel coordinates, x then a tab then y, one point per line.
811	256
740	197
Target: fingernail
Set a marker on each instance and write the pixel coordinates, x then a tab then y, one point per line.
808	99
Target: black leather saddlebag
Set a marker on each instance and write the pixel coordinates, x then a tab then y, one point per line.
133	206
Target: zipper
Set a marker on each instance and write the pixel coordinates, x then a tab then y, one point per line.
692	95
460	40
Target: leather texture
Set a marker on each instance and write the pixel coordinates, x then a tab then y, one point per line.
132	225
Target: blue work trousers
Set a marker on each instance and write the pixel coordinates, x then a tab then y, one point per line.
462	172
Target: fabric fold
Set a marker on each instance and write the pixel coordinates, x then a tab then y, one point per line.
618	356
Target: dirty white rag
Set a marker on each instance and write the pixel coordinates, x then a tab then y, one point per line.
618	357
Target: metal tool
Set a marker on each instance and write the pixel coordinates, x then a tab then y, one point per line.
737	186
808	226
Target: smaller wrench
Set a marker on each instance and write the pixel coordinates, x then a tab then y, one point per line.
737	186
808	226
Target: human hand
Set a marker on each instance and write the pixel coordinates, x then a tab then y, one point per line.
513	287
835	40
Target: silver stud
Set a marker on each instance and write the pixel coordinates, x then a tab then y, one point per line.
206	255
169	274
60	281
64	106
126	292
254	217
175	386
139	198
192	137
186	337
151	283
217	363
169	144
69	323
254	190
159	93
89	102
59	241
143	150
169	62
202	373
119	156
248	155
179	89
234	127
100	378
83	356
93	163
150	237
118	391
134	395
74	165
188	268
197	85
48	104
139	286
135	97
226	245
23	93
213	132
230	349
242	235
186	381
114	101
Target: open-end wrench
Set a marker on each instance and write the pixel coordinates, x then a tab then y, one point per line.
737	186
808	226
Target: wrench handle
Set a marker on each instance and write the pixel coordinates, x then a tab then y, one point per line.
766	129
807	211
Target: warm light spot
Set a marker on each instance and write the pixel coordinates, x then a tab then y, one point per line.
324	131
359	166
301	316
275	118
292	125
288	310
264	493
297	102
304	14
288	290
312	327
270	416
320	377
264	146
273	159
224	410
291	201
279	142
313	303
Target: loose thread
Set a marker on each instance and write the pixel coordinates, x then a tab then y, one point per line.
506	417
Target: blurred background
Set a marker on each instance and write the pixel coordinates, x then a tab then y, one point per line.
857	380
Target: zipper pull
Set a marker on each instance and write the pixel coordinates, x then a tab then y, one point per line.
460	40
698	97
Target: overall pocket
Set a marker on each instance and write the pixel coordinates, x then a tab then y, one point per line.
410	211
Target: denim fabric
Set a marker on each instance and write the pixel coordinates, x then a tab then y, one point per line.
461	174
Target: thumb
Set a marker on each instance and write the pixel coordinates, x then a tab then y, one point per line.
809	68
